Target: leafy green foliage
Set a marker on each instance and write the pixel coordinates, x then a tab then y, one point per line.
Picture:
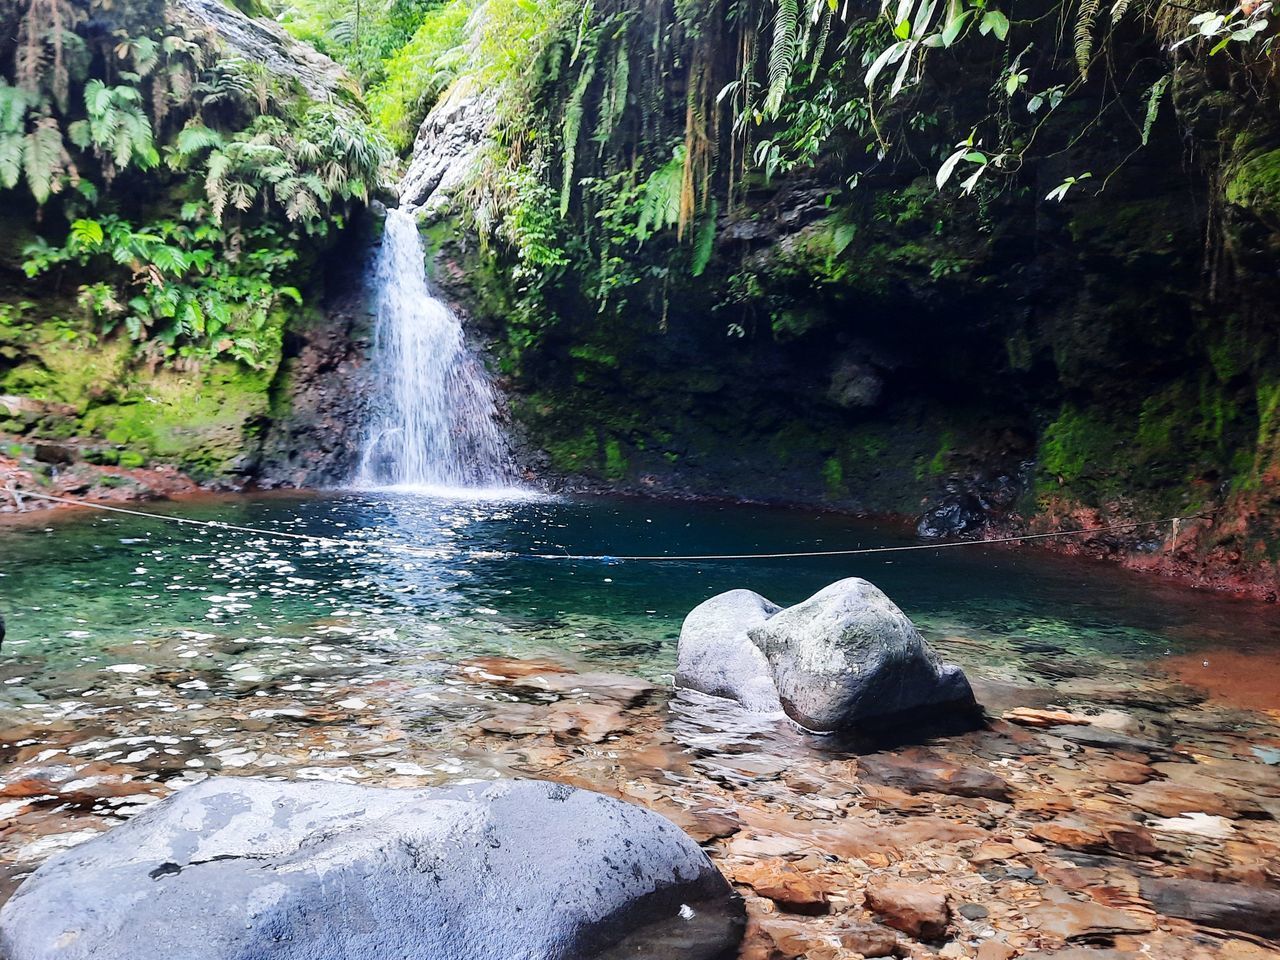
185	295
660	197
1086	14
782	52
82	108
418	73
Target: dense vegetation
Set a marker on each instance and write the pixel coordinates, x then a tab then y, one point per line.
97	122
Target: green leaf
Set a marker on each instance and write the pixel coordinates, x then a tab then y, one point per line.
704	242
1153	106
949	167
887	57
900	80
993	21
843	236
87	233
955	26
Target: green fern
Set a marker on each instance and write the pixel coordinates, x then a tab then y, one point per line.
786	24
661	195
11	147
704	242
820	45
14	104
196	138
87	234
44	159
614	101
118	127
1153	106
572	128
1086	16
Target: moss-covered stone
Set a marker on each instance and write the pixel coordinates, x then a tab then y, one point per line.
1254	184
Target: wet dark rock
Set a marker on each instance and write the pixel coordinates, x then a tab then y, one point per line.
445	150
55	453
958	514
323	373
973	911
717	657
918	771
324	871
855	383
848	658
967	505
1227	906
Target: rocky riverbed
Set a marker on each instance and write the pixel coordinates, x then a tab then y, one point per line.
1117	815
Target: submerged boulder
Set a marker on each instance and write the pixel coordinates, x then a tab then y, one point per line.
846	659
716	657
848	656
235	868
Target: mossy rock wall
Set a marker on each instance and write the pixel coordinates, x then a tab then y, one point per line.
887	347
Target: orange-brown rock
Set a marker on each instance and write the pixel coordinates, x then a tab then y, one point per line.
1066	919
917	770
786	938
917	909
782	883
1079	833
1030	717
995	950
498	669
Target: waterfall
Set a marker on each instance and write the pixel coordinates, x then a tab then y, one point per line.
432	421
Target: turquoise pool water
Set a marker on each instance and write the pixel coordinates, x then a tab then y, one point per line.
444	579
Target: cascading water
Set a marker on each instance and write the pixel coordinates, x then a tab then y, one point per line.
433	415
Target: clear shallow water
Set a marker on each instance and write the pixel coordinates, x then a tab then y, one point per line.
144	656
435	578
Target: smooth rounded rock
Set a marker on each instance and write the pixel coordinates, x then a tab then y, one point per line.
716	656
848	658
244	868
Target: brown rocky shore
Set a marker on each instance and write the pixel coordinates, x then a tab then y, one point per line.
60	472
1118	817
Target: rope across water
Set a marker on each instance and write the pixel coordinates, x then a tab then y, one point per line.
610	558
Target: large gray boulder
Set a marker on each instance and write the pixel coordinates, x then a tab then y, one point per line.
259	870
715	656
848	658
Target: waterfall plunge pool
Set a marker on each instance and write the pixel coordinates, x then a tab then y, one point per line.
143	656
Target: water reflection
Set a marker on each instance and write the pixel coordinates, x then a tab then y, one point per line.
430	646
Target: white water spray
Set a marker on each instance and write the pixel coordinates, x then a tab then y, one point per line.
433	418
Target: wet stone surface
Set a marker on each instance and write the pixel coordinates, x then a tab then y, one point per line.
1108	809
1011	838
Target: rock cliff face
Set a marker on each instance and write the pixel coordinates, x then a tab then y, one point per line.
261	41
446	148
311	435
